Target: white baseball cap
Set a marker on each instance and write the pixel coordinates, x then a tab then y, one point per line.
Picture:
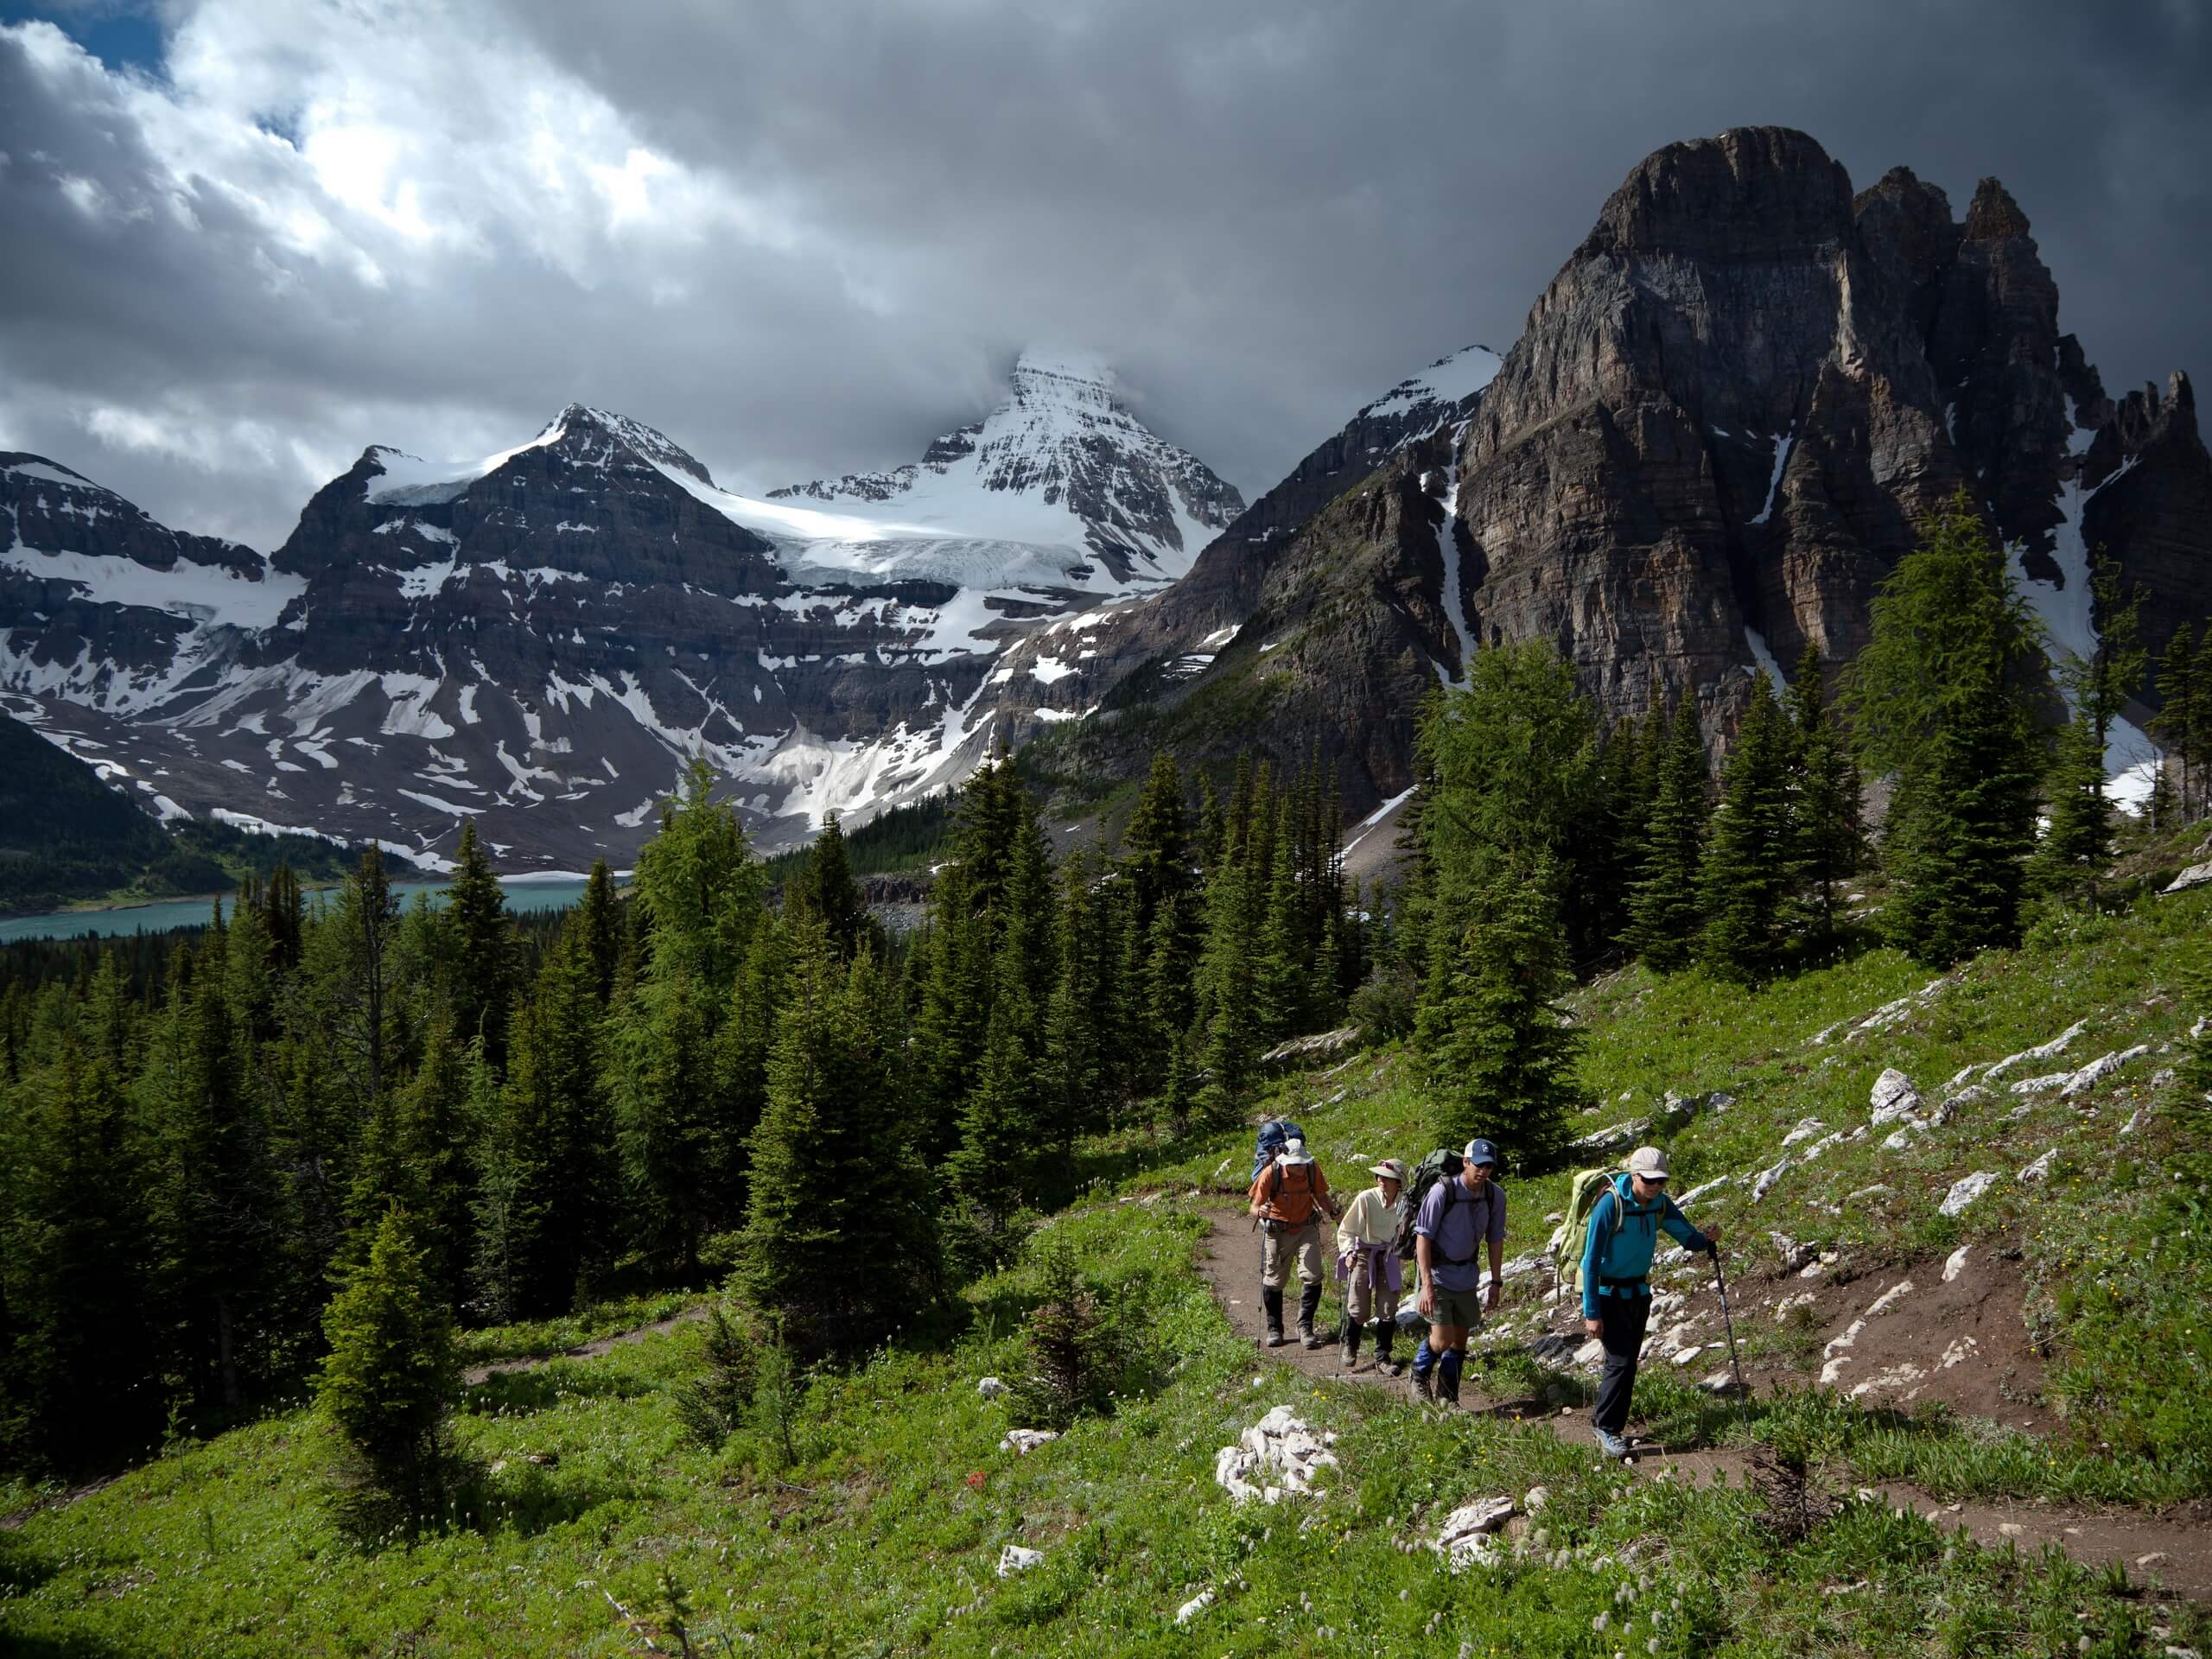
1649	1162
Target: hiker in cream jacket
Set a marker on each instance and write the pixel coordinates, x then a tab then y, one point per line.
1368	1269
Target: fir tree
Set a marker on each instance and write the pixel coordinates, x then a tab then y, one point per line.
2077	839
214	1203
1283	968
822	887
1944	701
1156	854
414	1155
838	1241
1663	906
599	923
1498	1052
2184	721
478	954
389	1383
1826	841
1744	875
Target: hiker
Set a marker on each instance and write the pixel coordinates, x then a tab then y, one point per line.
1624	1225
1367	1264
1458	1215
1289	1197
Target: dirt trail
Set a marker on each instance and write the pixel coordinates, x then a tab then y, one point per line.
479	1374
1229	1260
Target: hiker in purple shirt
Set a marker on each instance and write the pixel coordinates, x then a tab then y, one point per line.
1458	1215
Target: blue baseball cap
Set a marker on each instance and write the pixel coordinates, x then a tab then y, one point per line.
1480	1151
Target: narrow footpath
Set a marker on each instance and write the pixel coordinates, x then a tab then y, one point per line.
1230	1260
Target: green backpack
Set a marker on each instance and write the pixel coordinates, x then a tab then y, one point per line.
1584	1188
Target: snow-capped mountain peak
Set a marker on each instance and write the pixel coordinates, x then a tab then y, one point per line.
1061	468
1442	387
589	436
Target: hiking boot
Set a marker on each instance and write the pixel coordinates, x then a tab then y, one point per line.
1612	1445
1352	1343
1424	1381
1309	1304
1271	1301
1447	1386
1382	1360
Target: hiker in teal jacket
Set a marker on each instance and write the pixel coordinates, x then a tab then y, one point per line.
1625	1226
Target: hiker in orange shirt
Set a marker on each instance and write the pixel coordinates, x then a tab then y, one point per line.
1289	1197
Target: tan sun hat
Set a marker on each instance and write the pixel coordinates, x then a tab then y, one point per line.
1391	1167
1649	1162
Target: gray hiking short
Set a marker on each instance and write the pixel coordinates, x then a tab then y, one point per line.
1462	1307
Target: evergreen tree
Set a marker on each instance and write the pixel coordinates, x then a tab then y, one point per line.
479	950
838	1241
2069	860
214	1203
994	1173
1080	1011
75	1372
389	1383
822	887
1283	969
549	1159
2184	722
1944	700
1663	909
681	1137
1498	1050
599	923
1156	854
1228	1017
414	1155
1826	841
1744	875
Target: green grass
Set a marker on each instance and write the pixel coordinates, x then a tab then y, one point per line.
536	1338
883	1536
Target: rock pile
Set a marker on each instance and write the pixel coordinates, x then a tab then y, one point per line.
1278	1457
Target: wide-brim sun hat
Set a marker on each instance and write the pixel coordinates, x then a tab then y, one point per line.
1649	1162
1294	1152
1391	1167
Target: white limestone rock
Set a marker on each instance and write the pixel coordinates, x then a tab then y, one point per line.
2040	1170
2048	1051
1022	1441
1894	1098
2097	1070
1955	1264
1965	1191
990	1387
1014	1559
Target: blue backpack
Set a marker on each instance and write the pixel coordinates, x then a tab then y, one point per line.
1274	1134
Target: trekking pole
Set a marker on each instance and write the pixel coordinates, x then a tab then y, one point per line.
1721	1284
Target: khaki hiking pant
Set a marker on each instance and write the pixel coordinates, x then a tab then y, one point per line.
1279	1249
1363	1301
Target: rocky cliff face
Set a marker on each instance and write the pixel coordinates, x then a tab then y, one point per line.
1714	437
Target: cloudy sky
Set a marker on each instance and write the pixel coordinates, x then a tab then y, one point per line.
242	238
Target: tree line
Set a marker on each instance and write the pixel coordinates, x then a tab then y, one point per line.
216	1167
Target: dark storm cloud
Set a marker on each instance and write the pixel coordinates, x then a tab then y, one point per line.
1264	213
